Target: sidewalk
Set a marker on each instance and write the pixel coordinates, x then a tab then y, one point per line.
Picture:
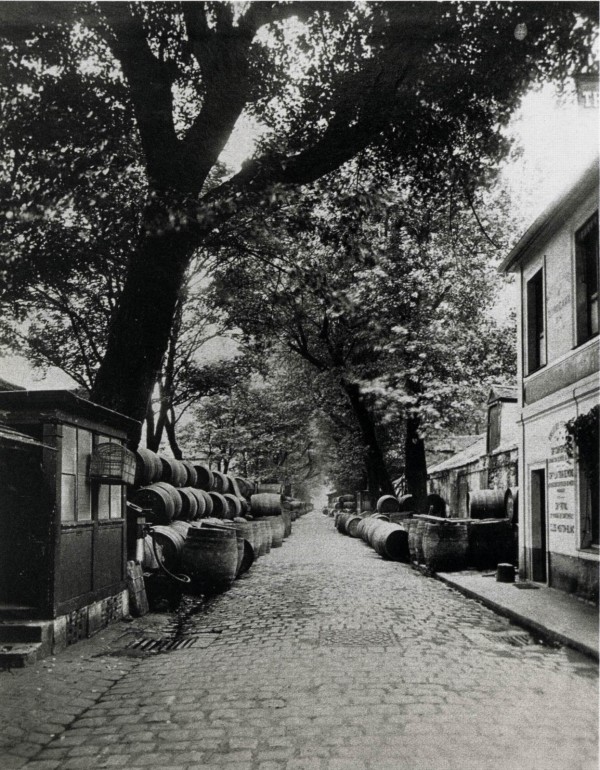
550	613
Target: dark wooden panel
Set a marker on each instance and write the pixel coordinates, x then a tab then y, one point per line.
25	515
108	555
75	563
581	364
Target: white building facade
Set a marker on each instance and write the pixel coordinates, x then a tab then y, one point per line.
556	266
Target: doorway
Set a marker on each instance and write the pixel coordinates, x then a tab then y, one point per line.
539	541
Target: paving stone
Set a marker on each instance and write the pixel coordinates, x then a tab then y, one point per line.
329	658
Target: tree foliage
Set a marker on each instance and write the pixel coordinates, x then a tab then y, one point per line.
422	86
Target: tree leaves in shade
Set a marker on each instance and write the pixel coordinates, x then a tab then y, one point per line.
422	86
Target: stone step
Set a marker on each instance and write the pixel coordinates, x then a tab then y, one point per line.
24	631
19	655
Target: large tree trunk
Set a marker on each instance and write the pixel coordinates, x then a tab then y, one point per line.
415	464
139	332
378	478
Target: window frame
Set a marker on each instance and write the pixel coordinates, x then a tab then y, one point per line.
534	341
583	299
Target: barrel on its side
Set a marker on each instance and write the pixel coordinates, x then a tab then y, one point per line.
220	507
234	505
387	504
390	541
148	467
204	477
511	505
406	503
171	541
173	471
161	499
192	477
265	504
436	505
352	525
486	504
200	502
189	507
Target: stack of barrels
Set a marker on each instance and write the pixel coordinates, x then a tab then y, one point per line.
207	525
389	539
440	543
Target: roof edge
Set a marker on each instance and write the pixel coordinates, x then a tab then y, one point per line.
544	225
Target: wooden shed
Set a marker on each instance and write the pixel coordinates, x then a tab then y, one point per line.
62	523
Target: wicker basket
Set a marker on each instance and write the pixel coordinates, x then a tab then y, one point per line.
112	464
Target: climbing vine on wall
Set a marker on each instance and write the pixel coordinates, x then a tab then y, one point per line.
583	433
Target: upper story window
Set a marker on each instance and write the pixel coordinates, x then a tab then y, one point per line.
536	327
586	279
493	438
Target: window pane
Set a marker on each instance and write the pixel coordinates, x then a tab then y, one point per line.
104	501
69	449
68	498
115	501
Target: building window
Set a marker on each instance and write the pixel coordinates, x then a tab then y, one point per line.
586	277
75	484
493	427
536	331
590	513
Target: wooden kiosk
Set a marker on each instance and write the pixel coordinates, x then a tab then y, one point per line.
62	512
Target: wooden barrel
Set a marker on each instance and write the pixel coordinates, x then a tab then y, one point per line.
173	471
189	504
406	503
346	499
222	483
265	504
340	521
486	504
349	506
267	534
246	489
490	543
268	487
171	541
200	502
246	530
192	478
150	553
204	477
277	530
210	557
436	505
220	507
511	505
445	546
218	482
387	504
259	540
148	467
245	505
415	540
390	541
287	521
352	525
208	502
234	505
161	499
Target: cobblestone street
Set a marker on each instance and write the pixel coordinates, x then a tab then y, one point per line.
323	657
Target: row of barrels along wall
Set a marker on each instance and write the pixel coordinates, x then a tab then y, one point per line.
207	525
440	543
